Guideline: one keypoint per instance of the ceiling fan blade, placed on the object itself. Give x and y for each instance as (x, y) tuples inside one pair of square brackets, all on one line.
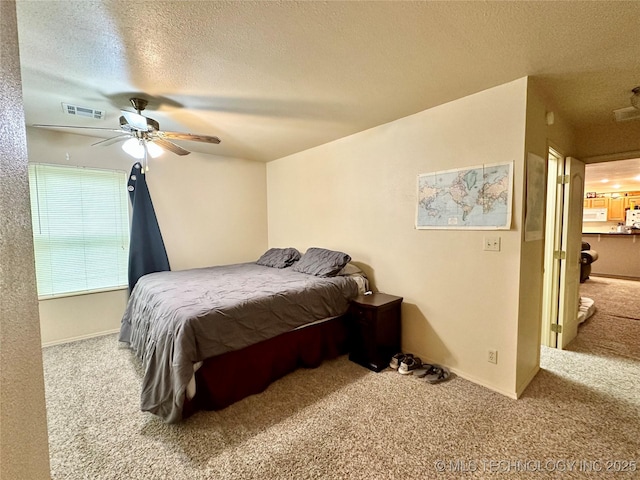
[(41, 125), (190, 136), (111, 141), (172, 147), (139, 122)]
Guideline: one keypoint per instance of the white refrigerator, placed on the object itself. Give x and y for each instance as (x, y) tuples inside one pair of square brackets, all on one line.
[(633, 218)]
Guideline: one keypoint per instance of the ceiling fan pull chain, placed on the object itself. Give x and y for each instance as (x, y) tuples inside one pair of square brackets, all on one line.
[(145, 165)]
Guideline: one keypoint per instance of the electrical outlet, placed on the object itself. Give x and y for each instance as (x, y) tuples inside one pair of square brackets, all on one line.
[(492, 244), (492, 356)]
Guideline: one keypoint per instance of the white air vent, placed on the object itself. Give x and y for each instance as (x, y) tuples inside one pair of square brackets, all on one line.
[(624, 114), (83, 111)]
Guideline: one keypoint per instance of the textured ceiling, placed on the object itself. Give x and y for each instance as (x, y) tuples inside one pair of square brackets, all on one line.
[(275, 78), (620, 176)]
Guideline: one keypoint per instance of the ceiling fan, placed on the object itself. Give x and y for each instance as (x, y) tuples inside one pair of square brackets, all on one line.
[(142, 135), (635, 98), (632, 112)]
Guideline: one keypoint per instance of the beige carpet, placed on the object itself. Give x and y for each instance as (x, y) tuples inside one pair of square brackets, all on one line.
[(615, 327), (340, 421)]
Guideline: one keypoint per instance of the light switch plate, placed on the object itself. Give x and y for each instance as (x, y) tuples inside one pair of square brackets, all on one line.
[(492, 244)]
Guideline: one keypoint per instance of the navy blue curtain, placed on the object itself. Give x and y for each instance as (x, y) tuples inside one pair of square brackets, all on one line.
[(146, 248)]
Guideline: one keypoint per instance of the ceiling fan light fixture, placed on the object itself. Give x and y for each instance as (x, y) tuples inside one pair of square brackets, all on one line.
[(154, 149), (134, 147)]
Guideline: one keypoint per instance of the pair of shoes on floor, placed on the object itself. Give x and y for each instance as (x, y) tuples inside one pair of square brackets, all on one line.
[(405, 363), (434, 373), (396, 360)]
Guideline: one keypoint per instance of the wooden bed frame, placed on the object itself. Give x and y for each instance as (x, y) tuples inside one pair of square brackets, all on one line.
[(232, 376)]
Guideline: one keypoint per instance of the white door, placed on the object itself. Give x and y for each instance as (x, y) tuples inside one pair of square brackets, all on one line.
[(569, 292), (552, 245)]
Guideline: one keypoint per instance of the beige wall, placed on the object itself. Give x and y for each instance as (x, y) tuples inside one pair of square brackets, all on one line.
[(358, 194), (211, 210), (67, 319), (539, 136), (24, 450)]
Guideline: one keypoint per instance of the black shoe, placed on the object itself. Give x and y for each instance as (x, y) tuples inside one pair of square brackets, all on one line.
[(396, 360), (409, 364)]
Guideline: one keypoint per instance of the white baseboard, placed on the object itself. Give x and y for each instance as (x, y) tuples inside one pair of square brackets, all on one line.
[(81, 337), (477, 381)]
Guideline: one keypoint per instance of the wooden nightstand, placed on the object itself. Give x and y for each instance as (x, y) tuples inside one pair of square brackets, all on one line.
[(374, 329)]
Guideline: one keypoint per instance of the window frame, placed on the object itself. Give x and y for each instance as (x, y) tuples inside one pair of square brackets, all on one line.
[(126, 233)]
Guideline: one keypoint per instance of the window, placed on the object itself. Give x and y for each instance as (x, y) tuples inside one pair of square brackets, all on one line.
[(80, 228)]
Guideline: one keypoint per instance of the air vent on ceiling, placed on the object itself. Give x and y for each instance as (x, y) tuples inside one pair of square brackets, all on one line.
[(83, 111), (628, 113)]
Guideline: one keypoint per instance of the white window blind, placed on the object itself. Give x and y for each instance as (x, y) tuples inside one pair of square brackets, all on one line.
[(80, 228)]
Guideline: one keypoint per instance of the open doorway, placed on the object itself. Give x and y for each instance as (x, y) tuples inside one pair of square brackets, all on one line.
[(611, 219), (615, 198)]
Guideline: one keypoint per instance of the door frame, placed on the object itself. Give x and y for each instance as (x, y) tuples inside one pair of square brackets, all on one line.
[(553, 230), (557, 286)]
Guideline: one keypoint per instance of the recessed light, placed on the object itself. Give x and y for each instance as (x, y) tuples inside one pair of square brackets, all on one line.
[(605, 180), (637, 178), (616, 186)]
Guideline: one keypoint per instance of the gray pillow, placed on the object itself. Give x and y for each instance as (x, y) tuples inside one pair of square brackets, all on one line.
[(351, 269), (279, 257), (321, 262)]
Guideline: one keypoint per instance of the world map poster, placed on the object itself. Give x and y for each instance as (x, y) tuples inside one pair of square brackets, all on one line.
[(472, 198)]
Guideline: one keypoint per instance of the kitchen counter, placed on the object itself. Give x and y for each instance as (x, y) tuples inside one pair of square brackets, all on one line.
[(616, 258), (625, 234)]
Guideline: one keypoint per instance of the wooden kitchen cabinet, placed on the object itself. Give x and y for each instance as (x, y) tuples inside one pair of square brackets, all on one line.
[(601, 202), (616, 207), (616, 210), (632, 201)]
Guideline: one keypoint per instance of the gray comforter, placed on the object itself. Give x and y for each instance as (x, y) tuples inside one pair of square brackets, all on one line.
[(175, 319)]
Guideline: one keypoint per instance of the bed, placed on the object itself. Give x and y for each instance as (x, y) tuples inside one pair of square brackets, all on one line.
[(208, 337)]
